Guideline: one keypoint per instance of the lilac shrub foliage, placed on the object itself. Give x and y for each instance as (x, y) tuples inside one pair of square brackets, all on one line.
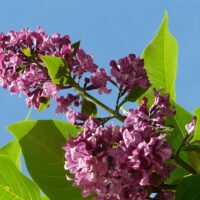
[(128, 162)]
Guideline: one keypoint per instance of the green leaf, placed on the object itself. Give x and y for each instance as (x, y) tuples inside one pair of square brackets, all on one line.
[(13, 151), (197, 128), (28, 114), (57, 68), (193, 151), (192, 147), (178, 122), (44, 198), (161, 60), (41, 143), (75, 46), (176, 138), (188, 189), (26, 52), (177, 175), (13, 184), (89, 108), (44, 103), (134, 94)]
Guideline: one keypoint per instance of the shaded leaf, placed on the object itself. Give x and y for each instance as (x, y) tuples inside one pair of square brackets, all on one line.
[(188, 189), (177, 175), (89, 108), (176, 138), (13, 184), (134, 94), (178, 122), (75, 46), (192, 147), (41, 143)]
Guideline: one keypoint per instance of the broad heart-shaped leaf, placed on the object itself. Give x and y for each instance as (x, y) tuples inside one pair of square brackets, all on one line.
[(41, 143), (13, 151), (197, 128), (188, 189), (160, 58), (57, 68), (89, 108), (13, 184)]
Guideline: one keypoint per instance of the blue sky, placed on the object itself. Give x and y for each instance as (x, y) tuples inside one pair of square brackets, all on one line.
[(107, 29)]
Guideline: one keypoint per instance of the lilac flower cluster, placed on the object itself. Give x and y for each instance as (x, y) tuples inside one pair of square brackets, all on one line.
[(123, 163), (23, 72), (129, 72)]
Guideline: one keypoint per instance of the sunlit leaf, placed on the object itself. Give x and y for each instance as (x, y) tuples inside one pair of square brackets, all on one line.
[(160, 58), (13, 184), (26, 52), (13, 151)]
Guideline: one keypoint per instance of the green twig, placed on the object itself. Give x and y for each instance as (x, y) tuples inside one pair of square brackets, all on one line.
[(113, 113)]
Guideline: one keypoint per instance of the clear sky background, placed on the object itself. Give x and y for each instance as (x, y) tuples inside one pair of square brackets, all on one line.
[(108, 29)]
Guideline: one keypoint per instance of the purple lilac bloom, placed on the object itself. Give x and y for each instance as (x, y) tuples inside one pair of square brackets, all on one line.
[(85, 63), (129, 72), (153, 116), (22, 70), (120, 163), (63, 103), (99, 81)]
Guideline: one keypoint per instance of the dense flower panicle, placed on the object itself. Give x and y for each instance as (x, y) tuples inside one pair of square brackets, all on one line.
[(22, 70), (190, 127), (120, 163), (129, 72)]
